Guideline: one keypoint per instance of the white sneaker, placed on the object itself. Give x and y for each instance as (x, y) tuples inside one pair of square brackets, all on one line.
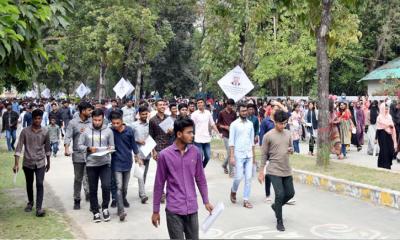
[(106, 215), (291, 202), (268, 200), (96, 218)]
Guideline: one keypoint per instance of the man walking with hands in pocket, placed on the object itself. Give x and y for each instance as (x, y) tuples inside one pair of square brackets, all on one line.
[(181, 167), (276, 147)]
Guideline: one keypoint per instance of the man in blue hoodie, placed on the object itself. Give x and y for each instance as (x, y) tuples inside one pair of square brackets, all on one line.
[(121, 162)]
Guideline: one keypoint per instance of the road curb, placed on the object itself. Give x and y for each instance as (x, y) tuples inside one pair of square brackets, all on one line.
[(379, 196), (369, 193)]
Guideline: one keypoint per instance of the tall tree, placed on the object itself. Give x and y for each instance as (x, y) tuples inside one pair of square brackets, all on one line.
[(173, 71), (23, 27), (334, 25)]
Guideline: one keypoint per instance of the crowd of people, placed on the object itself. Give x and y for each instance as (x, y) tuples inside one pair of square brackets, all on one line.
[(106, 139)]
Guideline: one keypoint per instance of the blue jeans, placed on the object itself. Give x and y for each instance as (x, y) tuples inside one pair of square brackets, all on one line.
[(244, 167), (205, 150), (54, 147), (11, 136), (344, 150), (296, 146), (122, 181)]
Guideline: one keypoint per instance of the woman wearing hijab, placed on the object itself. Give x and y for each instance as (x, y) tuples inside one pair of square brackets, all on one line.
[(373, 115), (386, 137)]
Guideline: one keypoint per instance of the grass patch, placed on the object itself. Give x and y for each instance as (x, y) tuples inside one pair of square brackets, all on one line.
[(14, 222), (17, 224), (349, 172), (345, 171)]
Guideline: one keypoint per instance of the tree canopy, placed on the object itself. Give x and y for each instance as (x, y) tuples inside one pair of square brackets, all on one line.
[(185, 46)]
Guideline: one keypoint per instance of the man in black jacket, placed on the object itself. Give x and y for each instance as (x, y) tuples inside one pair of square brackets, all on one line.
[(10, 122), (55, 113), (65, 114)]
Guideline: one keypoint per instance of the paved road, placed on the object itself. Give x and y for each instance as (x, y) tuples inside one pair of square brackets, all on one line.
[(317, 214)]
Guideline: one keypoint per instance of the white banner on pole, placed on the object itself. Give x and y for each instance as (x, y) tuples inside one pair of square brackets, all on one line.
[(236, 84), (130, 87), (88, 91), (81, 90), (46, 93), (123, 88)]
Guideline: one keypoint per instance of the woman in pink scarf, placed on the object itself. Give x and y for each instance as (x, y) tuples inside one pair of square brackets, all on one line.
[(386, 136)]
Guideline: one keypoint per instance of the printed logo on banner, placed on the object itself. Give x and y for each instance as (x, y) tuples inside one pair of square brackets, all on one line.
[(236, 84)]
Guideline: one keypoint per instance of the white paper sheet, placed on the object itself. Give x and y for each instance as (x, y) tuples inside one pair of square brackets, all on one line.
[(148, 146), (15, 178), (138, 171), (209, 221), (102, 153), (168, 123)]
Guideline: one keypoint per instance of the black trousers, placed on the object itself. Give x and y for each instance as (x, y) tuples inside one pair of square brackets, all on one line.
[(29, 177), (182, 226), (284, 191), (94, 174), (267, 186)]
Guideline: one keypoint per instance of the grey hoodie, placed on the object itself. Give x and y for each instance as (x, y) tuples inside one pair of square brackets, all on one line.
[(99, 138), (73, 134)]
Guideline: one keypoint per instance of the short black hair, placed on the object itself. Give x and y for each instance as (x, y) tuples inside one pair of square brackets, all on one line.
[(192, 103), (280, 116), (98, 112), (159, 100), (37, 113), (182, 105), (82, 106), (172, 105), (114, 100), (241, 105), (251, 105), (181, 123), (115, 115), (230, 101), (200, 99), (143, 108)]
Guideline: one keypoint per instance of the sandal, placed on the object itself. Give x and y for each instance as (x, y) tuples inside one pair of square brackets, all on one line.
[(247, 204), (233, 197)]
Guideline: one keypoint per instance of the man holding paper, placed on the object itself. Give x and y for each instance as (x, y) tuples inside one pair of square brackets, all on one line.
[(180, 166), (121, 161), (141, 129), (95, 139)]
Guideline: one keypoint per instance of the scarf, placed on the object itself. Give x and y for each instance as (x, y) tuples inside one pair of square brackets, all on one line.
[(383, 122)]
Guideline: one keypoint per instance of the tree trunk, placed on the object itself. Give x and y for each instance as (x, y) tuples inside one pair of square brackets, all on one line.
[(384, 37), (128, 52), (100, 88), (323, 84)]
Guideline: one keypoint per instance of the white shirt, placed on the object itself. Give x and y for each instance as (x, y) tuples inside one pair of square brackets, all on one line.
[(128, 115), (202, 122), (241, 137)]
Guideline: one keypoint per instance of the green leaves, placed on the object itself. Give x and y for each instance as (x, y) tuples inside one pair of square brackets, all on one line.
[(22, 26)]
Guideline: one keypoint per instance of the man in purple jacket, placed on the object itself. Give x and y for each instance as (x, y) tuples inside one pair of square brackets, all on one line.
[(180, 165)]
